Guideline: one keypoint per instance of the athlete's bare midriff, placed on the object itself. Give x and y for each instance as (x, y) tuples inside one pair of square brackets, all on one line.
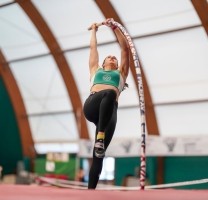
[(99, 87)]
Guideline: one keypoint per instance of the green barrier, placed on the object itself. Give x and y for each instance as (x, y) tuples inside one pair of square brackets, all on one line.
[(10, 143), (126, 166), (179, 169), (61, 168)]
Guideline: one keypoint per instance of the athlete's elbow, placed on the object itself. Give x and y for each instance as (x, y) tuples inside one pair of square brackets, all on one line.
[(93, 47), (125, 48)]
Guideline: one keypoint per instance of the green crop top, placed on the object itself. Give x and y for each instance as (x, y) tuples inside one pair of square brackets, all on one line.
[(111, 77)]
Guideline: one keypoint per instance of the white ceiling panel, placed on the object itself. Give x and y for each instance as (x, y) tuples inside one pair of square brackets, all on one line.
[(19, 38), (54, 128), (70, 19), (146, 17), (175, 65), (2, 2), (183, 119), (128, 123), (41, 85)]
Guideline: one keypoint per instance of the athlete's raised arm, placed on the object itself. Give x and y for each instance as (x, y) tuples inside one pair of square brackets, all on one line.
[(125, 51), (94, 57)]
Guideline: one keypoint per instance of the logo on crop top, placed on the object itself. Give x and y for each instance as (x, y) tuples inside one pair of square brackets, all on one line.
[(107, 77)]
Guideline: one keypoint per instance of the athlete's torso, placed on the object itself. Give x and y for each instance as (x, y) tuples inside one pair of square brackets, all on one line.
[(109, 78)]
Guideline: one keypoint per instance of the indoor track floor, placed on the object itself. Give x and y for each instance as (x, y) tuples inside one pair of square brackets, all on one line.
[(34, 192)]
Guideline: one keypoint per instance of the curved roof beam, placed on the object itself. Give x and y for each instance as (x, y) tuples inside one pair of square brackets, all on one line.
[(201, 7), (108, 11), (61, 62), (19, 108)]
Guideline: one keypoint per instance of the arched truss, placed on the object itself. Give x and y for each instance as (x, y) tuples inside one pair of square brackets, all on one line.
[(201, 7), (61, 62), (152, 127), (19, 108)]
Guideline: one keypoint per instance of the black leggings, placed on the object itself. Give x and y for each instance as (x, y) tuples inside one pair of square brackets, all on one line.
[(101, 109)]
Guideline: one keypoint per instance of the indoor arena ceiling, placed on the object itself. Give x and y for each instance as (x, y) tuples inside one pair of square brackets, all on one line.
[(45, 44)]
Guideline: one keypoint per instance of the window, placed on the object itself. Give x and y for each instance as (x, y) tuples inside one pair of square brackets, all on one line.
[(108, 169)]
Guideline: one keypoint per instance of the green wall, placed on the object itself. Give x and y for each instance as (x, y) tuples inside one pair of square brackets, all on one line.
[(126, 166), (176, 169), (10, 144)]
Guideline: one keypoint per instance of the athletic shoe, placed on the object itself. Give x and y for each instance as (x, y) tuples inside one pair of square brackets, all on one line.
[(99, 148)]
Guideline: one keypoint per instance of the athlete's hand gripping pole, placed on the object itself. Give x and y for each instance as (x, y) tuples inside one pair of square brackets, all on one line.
[(97, 24), (108, 22)]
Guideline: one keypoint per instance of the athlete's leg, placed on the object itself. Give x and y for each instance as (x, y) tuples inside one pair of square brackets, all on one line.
[(109, 131), (98, 109), (97, 163), (106, 109), (105, 114)]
